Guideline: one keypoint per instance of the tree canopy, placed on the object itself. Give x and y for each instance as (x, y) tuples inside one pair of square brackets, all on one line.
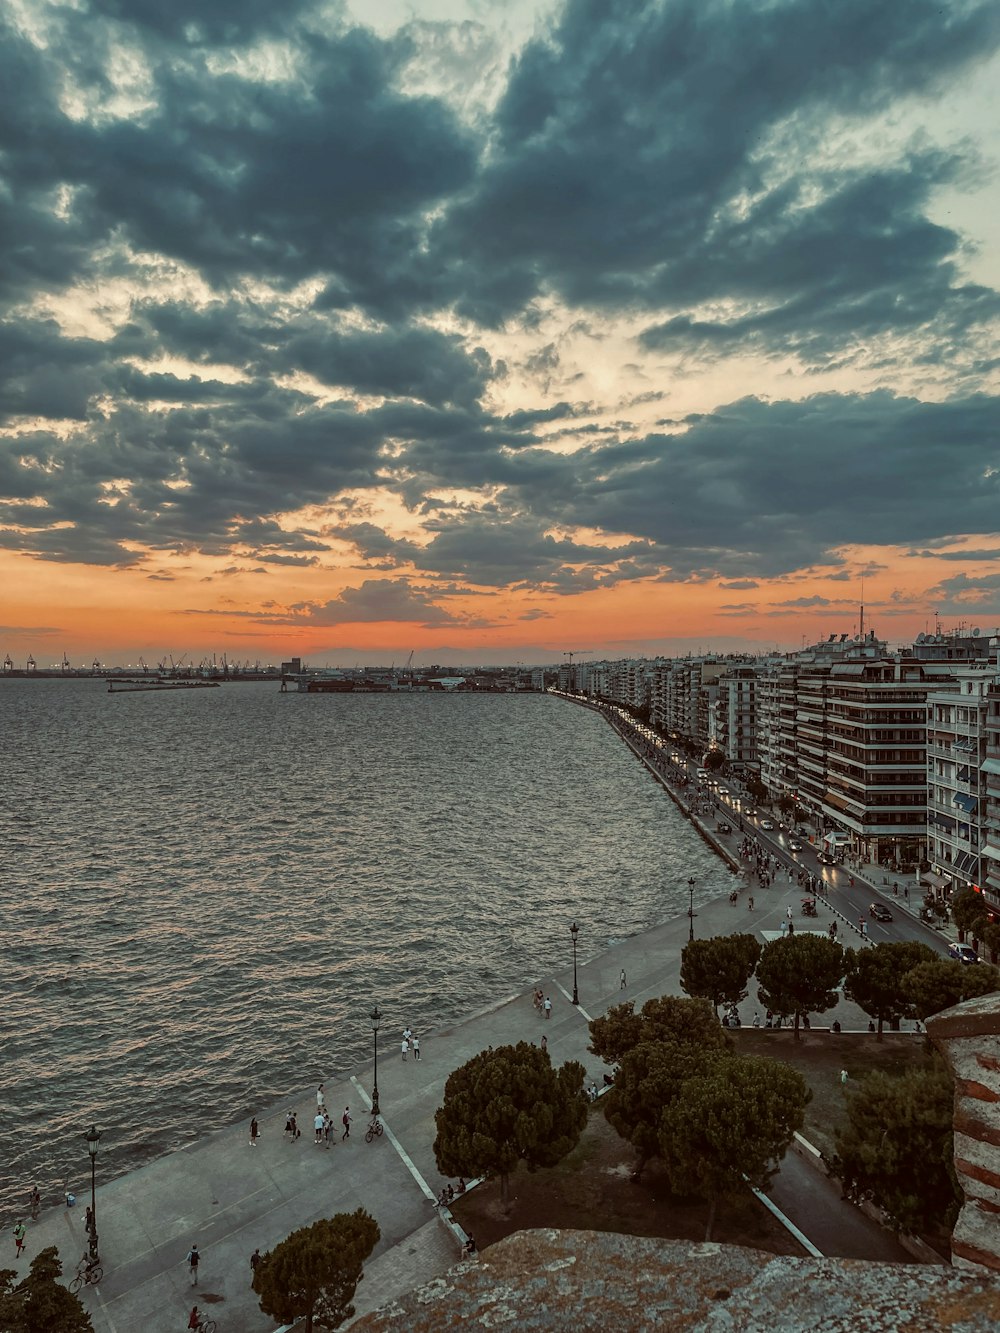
[(38, 1303), (931, 987), (719, 969), (800, 974), (667, 1018), (896, 1148), (314, 1273), (729, 1126), (875, 979), (507, 1105), (968, 911)]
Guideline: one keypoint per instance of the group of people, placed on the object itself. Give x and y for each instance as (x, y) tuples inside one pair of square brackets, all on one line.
[(449, 1193), (543, 1002), (410, 1043)]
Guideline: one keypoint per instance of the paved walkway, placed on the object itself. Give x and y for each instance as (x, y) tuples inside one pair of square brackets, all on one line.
[(231, 1198)]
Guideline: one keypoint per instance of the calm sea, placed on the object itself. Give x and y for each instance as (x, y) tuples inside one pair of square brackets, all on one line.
[(202, 893)]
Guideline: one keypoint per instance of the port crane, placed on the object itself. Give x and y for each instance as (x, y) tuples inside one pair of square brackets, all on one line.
[(571, 653)]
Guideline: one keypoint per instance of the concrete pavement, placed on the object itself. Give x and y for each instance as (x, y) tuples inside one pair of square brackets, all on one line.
[(231, 1198)]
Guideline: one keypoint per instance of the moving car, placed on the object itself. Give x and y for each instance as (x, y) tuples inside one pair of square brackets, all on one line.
[(794, 845), (965, 953), (879, 913), (766, 823)]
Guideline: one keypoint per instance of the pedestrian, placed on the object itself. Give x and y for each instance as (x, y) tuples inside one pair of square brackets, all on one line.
[(255, 1259), (318, 1119), (750, 903), (20, 1231), (88, 1220), (254, 1132), (461, 1184), (320, 1099), (843, 1076), (194, 1318), (289, 1126), (548, 1007), (545, 1043), (296, 1132), (623, 981), (327, 1129), (193, 1259), (784, 927), (35, 1200), (405, 1046), (407, 1034), (346, 1120), (469, 1248), (415, 1043), (791, 927)]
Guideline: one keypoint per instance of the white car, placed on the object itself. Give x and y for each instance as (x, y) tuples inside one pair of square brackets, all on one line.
[(766, 824)]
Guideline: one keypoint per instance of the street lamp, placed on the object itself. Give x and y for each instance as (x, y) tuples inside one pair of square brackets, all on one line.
[(93, 1143), (376, 1019), (691, 908), (574, 930)]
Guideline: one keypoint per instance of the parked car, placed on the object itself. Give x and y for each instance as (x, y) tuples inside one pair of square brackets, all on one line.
[(965, 953), (879, 913), (766, 824)]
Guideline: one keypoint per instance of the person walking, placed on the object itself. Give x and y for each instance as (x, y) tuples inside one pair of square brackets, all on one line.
[(346, 1121), (405, 1046), (415, 1043), (254, 1132), (548, 1007), (788, 911), (318, 1126), (255, 1259), (327, 1129), (193, 1260), (545, 1042), (20, 1231), (750, 903), (623, 981), (35, 1202)]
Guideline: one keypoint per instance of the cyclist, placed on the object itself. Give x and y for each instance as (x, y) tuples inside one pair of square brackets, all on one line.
[(194, 1318), (86, 1266)]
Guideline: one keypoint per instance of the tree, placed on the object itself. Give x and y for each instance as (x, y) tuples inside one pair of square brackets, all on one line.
[(667, 1018), (714, 760), (800, 974), (38, 1303), (896, 1149), (730, 1126), (875, 979), (649, 1079), (756, 789), (508, 1105), (991, 938), (718, 969), (314, 1272), (968, 911), (931, 987)]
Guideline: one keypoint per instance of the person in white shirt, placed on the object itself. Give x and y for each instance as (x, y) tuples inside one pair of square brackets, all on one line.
[(318, 1122)]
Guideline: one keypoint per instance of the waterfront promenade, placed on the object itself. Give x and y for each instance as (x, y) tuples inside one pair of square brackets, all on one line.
[(230, 1198)]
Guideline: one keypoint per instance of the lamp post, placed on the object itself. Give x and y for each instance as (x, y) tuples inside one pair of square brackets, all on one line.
[(376, 1019), (691, 908), (93, 1143), (574, 930)]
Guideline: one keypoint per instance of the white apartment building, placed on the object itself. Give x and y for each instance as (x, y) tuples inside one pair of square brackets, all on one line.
[(956, 752)]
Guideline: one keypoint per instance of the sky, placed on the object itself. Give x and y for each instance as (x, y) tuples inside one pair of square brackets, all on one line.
[(490, 330)]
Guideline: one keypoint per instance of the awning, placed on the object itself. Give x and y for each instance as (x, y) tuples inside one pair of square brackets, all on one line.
[(964, 802), (935, 880), (967, 863), (990, 766)]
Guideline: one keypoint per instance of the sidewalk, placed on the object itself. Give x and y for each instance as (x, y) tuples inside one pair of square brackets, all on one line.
[(231, 1198)]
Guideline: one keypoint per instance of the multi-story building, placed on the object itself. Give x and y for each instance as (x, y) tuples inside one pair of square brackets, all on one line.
[(990, 790), (956, 752)]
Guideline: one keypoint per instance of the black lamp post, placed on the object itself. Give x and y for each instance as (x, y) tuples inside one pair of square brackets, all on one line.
[(376, 1019), (574, 930), (691, 908), (93, 1143)]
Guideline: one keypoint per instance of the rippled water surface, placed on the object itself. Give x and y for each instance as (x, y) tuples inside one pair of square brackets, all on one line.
[(203, 892)]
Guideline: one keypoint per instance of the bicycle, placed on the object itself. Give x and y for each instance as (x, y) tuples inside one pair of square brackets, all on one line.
[(374, 1130), (206, 1326), (86, 1277)]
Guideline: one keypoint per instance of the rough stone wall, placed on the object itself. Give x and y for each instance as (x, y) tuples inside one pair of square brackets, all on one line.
[(968, 1037)]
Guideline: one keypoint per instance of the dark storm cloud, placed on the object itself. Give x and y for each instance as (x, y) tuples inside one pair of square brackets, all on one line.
[(376, 600), (633, 167)]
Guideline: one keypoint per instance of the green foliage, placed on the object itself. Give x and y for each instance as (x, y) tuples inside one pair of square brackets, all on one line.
[(931, 987), (508, 1105), (896, 1149), (313, 1274), (718, 969), (875, 979), (786, 804), (756, 789), (38, 1303), (968, 911), (650, 1078), (714, 760), (991, 938), (729, 1125), (667, 1018), (800, 974)]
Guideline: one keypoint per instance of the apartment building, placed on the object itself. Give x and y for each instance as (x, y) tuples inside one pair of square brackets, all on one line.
[(956, 755), (990, 790)]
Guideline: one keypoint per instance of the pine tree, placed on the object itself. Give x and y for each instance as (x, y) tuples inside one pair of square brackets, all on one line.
[(668, 1018), (931, 987), (719, 969), (800, 975), (875, 979), (314, 1273), (38, 1303)]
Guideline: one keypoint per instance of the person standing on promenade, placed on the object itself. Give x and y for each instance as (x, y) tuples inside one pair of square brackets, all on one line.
[(318, 1126), (407, 1034), (545, 1042), (327, 1128), (255, 1259), (623, 981), (548, 1007), (346, 1119), (35, 1200), (320, 1099), (193, 1260), (254, 1132), (405, 1046), (416, 1048), (20, 1231), (750, 903)]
